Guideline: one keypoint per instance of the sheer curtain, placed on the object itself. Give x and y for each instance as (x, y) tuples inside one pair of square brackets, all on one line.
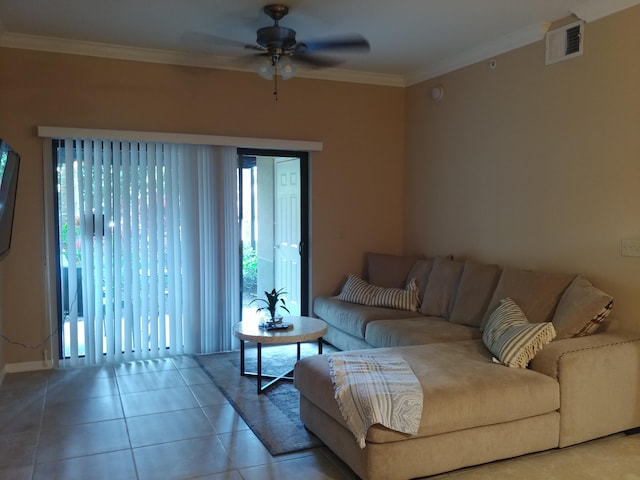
[(152, 230)]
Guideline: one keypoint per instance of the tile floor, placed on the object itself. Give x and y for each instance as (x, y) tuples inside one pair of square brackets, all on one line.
[(164, 419)]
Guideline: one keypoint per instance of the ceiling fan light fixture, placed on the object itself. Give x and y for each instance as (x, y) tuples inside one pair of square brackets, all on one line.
[(266, 68), (286, 68)]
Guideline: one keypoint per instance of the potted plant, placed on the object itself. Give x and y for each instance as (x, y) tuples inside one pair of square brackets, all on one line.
[(272, 302)]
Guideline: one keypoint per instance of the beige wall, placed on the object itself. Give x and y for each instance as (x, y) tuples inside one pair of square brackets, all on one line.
[(526, 165), (534, 166), (361, 126)]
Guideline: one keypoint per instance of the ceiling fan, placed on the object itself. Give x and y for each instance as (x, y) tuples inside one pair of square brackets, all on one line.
[(276, 42), (279, 50)]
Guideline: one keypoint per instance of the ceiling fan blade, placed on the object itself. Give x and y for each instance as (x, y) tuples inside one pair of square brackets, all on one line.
[(257, 48), (316, 60), (353, 42)]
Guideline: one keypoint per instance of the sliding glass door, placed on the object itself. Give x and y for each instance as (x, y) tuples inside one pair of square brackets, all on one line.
[(148, 238), (275, 227)]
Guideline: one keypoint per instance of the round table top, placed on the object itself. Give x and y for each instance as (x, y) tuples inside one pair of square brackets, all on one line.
[(304, 329)]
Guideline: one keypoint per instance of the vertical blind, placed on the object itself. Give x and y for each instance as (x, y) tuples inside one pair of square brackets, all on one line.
[(149, 249)]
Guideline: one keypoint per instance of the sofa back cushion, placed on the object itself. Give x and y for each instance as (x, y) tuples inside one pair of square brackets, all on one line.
[(581, 310), (420, 272), (475, 290), (441, 287), (387, 270), (536, 293)]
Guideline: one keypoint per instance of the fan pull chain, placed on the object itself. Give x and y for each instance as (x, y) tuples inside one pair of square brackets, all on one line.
[(275, 81)]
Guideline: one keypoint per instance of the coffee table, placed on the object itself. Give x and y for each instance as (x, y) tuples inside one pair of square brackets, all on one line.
[(303, 329)]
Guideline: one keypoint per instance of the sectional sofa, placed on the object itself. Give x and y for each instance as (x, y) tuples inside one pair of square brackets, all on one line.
[(577, 380)]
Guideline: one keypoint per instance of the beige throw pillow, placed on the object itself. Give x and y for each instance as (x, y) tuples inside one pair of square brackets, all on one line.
[(581, 310)]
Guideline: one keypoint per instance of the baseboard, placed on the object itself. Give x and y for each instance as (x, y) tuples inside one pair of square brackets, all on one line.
[(26, 367)]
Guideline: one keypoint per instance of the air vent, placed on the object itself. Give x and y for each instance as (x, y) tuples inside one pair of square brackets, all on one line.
[(564, 42)]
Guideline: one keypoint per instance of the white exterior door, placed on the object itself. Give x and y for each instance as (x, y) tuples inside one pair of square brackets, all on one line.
[(287, 230)]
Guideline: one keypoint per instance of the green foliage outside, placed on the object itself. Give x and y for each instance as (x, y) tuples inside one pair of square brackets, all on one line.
[(64, 236), (249, 269)]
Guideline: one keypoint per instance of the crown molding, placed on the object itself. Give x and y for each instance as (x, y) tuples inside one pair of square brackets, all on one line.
[(92, 49), (122, 52), (480, 52), (589, 11), (354, 76), (596, 9)]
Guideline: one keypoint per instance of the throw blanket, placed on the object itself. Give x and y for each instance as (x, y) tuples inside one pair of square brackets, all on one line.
[(374, 389)]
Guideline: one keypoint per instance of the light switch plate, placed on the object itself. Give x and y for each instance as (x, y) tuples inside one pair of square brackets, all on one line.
[(630, 248)]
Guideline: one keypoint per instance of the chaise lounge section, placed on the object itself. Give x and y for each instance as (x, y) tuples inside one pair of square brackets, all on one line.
[(580, 386)]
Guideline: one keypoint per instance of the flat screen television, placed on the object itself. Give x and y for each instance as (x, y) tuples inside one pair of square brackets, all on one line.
[(9, 167)]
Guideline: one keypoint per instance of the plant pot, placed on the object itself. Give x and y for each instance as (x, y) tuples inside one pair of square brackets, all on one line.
[(270, 321)]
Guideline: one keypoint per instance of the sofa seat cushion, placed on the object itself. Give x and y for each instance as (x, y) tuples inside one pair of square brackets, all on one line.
[(353, 318), (417, 331), (462, 389)]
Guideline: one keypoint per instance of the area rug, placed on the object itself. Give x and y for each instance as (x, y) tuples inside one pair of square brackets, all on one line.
[(274, 416)]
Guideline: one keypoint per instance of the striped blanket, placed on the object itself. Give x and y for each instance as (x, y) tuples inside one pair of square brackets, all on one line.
[(374, 389)]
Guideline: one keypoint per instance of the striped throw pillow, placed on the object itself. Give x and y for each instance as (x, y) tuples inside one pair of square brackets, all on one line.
[(596, 321), (511, 338), (398, 298), (356, 290)]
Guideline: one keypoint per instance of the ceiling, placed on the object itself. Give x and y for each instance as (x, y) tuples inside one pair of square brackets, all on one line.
[(411, 40)]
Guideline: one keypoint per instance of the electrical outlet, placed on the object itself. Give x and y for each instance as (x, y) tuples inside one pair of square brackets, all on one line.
[(630, 248)]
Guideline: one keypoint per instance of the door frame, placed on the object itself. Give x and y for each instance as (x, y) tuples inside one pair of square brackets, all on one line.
[(305, 247)]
